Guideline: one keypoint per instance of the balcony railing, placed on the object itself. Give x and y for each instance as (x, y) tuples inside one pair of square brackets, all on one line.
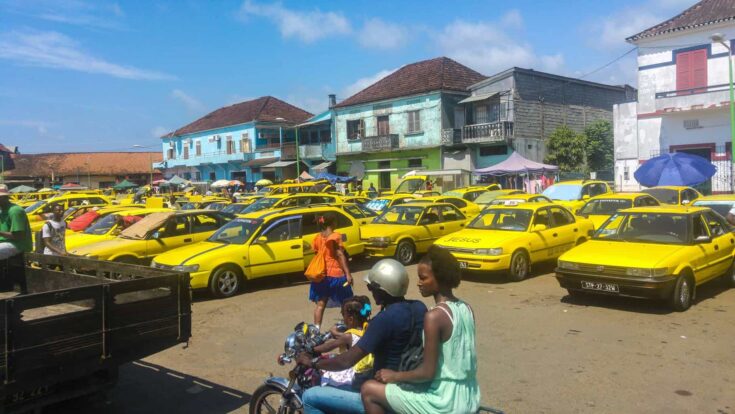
[(380, 143), (478, 133), (693, 91), (324, 150)]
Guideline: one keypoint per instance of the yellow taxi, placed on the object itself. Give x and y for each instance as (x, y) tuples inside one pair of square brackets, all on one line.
[(267, 244), (241, 205), (484, 199), (574, 193), (720, 203), (276, 201), (381, 203), (105, 227), (512, 238), (468, 208), (600, 208), (515, 199), (155, 234), (25, 200), (38, 210), (468, 193), (673, 194), (662, 252), (405, 230)]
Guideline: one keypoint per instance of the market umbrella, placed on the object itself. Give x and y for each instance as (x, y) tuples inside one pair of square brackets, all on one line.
[(263, 182), (160, 182), (306, 176), (22, 189), (677, 168), (220, 183), (124, 185), (234, 182), (176, 180)]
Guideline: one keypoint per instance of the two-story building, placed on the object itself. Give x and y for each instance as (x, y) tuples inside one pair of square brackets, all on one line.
[(395, 125), (683, 98), (317, 149), (245, 141), (517, 110)]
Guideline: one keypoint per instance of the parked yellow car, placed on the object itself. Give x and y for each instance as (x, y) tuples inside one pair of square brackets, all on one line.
[(660, 252), (105, 227), (720, 203), (573, 194), (468, 208), (405, 230), (513, 238), (484, 199), (155, 234), (240, 206), (600, 208), (515, 199), (273, 243), (38, 210), (467, 193), (381, 203), (673, 194), (272, 202)]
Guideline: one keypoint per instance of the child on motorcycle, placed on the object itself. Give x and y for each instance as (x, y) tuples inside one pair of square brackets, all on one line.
[(355, 314)]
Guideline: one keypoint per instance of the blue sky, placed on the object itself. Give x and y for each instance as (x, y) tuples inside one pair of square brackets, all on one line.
[(78, 75)]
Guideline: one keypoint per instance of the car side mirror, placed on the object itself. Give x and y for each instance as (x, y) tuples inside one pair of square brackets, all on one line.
[(703, 239), (261, 240), (586, 197), (156, 235), (685, 202), (539, 227)]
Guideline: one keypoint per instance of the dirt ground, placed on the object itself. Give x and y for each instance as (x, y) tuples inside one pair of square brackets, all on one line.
[(539, 351)]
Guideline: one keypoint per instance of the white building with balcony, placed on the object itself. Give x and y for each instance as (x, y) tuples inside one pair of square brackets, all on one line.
[(683, 95)]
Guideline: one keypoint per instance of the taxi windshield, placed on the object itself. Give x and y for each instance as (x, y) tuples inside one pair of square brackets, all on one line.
[(659, 228), (564, 192), (261, 204), (664, 195), (33, 207), (237, 231), (235, 208), (410, 186), (507, 201), (722, 207), (502, 219), (101, 225), (406, 215), (188, 206), (605, 207)]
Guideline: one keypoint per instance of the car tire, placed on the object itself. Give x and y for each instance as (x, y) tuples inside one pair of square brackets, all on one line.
[(520, 266), (730, 276), (576, 294), (405, 252), (683, 295), (225, 281)]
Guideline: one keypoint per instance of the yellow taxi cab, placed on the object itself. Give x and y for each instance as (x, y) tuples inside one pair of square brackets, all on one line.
[(355, 199), (673, 194), (155, 234), (468, 193), (720, 203), (267, 244), (574, 193), (468, 208), (515, 199), (38, 210), (105, 227), (381, 203), (276, 201), (25, 200), (405, 230), (513, 238), (484, 199), (662, 252), (600, 208), (241, 205)]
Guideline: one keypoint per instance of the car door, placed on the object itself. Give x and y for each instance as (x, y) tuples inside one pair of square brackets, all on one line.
[(542, 241), (723, 241), (452, 220), (309, 230), (706, 252), (566, 231), (429, 229), (278, 249), (350, 234), (169, 236)]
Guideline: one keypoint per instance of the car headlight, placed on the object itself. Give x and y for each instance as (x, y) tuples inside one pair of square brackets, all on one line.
[(186, 268), (644, 272), (568, 265), (489, 252), (379, 241)]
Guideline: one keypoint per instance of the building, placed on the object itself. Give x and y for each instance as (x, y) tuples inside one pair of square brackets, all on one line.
[(91, 169), (245, 141), (683, 98), (395, 125), (317, 149), (517, 110)]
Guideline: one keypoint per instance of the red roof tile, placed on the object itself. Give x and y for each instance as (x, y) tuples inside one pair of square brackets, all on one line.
[(94, 163), (704, 13), (421, 77), (266, 108)]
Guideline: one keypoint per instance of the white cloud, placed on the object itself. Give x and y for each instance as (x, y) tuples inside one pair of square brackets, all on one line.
[(95, 14), (379, 34), (55, 50), (488, 48), (306, 26), (363, 83), (191, 103), (159, 131), (512, 19)]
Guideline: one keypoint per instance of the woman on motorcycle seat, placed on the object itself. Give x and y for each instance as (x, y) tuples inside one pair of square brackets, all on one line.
[(449, 363), (355, 314)]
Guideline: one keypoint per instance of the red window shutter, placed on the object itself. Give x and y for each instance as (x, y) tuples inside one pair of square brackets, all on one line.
[(698, 63), (683, 71)]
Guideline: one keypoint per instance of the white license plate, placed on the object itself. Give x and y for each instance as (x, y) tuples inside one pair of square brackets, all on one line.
[(605, 287), (463, 265)]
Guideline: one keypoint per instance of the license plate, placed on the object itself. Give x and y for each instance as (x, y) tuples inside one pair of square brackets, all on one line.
[(463, 265), (605, 287)]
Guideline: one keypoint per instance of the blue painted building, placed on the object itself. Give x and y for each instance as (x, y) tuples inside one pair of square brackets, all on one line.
[(317, 148), (245, 141)]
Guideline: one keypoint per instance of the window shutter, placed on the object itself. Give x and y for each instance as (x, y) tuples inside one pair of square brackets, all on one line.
[(683, 71), (699, 69)]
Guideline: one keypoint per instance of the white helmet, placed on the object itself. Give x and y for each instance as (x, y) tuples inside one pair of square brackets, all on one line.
[(390, 276)]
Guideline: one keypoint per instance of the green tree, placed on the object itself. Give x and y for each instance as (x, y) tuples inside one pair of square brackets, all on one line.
[(565, 149), (599, 146)]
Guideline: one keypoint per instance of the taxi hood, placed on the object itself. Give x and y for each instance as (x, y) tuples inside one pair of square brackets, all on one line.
[(185, 254), (103, 247), (480, 239), (619, 253)]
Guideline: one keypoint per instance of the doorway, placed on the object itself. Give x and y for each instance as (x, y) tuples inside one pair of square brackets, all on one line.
[(384, 177)]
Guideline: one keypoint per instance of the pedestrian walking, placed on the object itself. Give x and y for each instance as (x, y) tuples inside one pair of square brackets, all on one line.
[(54, 232)]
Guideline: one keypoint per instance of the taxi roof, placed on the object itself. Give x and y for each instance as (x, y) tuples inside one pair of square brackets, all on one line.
[(263, 214), (669, 187), (580, 182), (666, 209), (521, 206)]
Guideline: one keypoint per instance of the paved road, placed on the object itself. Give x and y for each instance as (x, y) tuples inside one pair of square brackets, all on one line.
[(539, 351)]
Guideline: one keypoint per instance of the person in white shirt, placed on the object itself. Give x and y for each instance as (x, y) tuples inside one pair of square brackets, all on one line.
[(731, 216), (54, 232)]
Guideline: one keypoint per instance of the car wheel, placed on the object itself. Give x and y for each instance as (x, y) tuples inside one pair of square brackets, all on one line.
[(225, 281), (405, 252), (730, 275), (520, 266), (683, 294)]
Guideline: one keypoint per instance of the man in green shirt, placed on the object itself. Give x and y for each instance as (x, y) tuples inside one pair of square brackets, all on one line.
[(15, 232)]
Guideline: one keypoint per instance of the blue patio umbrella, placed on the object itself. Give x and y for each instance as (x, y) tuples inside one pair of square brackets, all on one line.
[(677, 168)]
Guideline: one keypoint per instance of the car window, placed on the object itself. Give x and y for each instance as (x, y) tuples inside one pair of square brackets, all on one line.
[(96, 200), (354, 211), (431, 215), (542, 217), (646, 201), (285, 229), (560, 217), (309, 223), (203, 222), (175, 226), (716, 223), (689, 195), (342, 220), (594, 189), (455, 202), (450, 213), (699, 228)]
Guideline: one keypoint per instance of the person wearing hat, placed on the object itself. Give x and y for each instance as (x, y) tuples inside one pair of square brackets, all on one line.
[(15, 232), (386, 338)]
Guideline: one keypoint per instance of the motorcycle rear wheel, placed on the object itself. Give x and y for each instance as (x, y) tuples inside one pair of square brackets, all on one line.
[(267, 400)]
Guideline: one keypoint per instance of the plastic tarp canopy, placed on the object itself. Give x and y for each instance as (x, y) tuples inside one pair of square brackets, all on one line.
[(22, 189), (147, 224), (516, 164), (124, 184), (333, 178), (176, 180)]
